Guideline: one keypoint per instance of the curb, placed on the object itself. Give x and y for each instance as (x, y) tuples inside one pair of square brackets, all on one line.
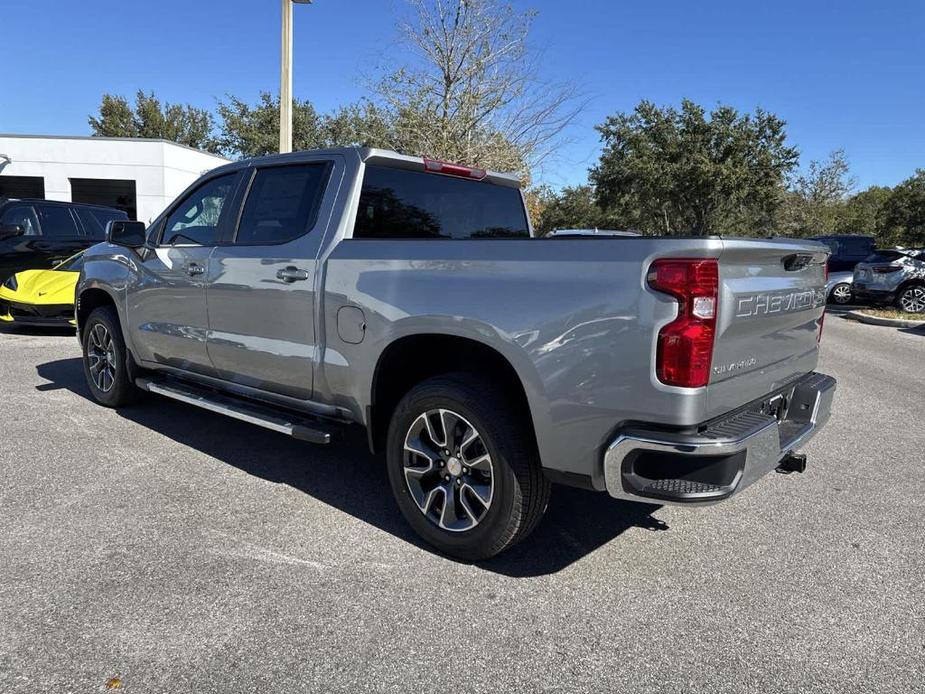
[(891, 322)]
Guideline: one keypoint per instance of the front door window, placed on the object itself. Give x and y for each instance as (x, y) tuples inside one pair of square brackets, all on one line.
[(196, 221)]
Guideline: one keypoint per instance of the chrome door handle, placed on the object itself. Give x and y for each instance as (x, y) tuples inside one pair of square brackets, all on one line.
[(291, 274), (195, 269)]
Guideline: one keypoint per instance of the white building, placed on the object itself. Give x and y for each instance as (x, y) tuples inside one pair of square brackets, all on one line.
[(137, 175)]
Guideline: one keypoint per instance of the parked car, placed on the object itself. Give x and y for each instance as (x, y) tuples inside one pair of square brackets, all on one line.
[(839, 287), (306, 291), (893, 276), (39, 234), (847, 250), (41, 297)]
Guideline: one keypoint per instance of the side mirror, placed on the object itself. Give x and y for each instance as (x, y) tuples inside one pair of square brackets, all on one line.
[(122, 232), (10, 230)]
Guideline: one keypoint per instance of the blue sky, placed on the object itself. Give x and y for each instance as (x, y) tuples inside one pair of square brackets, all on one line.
[(842, 74)]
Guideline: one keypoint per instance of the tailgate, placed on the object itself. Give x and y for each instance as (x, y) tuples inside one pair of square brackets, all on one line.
[(771, 299)]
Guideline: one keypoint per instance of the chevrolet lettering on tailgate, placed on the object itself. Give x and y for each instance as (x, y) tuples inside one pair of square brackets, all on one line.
[(765, 304)]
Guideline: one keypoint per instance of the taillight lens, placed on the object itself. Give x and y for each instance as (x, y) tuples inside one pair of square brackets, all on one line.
[(451, 169), (886, 269), (685, 346)]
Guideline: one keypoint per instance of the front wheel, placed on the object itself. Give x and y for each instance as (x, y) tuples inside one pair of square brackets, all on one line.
[(105, 359), (463, 467), (841, 293), (912, 299)]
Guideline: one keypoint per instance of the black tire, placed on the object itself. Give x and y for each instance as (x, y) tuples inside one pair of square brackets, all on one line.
[(911, 298), (118, 390), (841, 294), (520, 491)]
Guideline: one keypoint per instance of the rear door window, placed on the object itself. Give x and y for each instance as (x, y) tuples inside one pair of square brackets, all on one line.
[(282, 204), (94, 220), (57, 221), (402, 204)]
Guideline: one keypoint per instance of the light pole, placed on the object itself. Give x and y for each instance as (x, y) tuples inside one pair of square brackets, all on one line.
[(285, 78)]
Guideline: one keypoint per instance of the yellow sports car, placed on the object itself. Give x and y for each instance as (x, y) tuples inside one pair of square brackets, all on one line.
[(41, 297)]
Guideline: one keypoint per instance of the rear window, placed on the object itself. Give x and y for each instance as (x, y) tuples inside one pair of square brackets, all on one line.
[(401, 204), (884, 256), (94, 220), (855, 247)]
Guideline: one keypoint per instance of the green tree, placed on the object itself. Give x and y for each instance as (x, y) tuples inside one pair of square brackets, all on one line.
[(252, 130), (665, 170), (185, 124), (247, 130), (903, 215), (816, 200), (571, 208), (862, 212)]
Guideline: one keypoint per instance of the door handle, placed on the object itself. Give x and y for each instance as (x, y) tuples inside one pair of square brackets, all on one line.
[(194, 269), (292, 274)]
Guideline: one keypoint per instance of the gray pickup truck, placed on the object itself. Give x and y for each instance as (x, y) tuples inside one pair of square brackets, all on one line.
[(308, 291)]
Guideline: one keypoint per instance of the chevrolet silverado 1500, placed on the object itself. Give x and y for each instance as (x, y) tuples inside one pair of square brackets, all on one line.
[(301, 292)]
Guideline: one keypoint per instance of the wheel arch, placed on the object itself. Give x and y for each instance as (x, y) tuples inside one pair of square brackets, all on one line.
[(89, 299), (913, 282), (411, 359)]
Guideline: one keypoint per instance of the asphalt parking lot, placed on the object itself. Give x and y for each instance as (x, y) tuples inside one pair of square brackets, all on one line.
[(180, 551)]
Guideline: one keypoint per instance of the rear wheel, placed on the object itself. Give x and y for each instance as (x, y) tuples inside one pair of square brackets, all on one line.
[(105, 359), (463, 467), (912, 299), (841, 293)]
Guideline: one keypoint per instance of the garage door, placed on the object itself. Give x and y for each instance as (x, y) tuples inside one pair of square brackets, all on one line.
[(22, 187), (105, 191)]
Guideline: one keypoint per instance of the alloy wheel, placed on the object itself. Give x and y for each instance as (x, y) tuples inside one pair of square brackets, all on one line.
[(448, 470), (101, 357), (841, 294), (913, 300)]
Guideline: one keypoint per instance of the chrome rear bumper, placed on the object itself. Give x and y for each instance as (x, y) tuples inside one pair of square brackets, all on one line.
[(722, 458)]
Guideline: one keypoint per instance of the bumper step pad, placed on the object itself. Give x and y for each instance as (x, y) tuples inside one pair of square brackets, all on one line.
[(675, 488)]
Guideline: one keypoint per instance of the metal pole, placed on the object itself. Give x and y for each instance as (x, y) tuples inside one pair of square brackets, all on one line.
[(285, 81)]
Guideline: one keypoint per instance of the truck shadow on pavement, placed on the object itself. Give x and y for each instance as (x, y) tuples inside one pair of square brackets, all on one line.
[(346, 476)]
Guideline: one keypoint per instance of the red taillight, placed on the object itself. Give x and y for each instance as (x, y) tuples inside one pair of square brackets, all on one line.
[(450, 169), (685, 346), (886, 269)]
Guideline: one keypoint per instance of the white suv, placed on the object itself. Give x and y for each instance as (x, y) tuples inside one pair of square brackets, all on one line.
[(893, 276)]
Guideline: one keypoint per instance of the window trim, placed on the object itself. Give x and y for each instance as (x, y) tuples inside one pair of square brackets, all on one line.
[(194, 187), (326, 164)]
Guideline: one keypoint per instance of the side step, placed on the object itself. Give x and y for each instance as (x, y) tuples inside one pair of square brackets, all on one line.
[(236, 408)]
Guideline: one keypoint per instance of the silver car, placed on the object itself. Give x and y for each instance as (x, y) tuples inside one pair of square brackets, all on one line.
[(894, 276), (839, 288)]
